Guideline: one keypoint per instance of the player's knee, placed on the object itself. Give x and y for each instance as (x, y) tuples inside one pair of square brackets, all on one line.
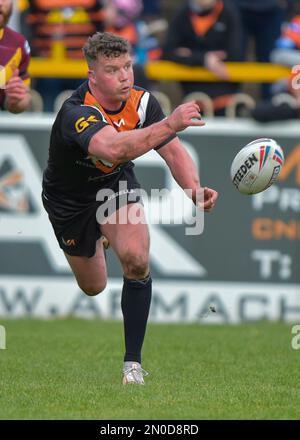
[(92, 289), (136, 266)]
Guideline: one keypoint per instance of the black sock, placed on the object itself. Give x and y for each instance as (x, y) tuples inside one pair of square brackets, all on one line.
[(135, 303)]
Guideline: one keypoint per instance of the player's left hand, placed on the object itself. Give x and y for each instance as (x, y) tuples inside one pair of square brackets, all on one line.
[(206, 198), (15, 89)]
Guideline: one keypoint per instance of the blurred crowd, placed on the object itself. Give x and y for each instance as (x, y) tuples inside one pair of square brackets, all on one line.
[(205, 33)]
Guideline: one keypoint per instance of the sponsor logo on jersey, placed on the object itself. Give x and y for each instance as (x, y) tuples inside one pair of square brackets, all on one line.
[(69, 241), (82, 123), (119, 123)]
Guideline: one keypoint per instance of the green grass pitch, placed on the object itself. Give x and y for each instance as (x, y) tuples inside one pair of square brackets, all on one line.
[(71, 369)]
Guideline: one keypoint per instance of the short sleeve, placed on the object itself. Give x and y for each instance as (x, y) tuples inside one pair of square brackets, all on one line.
[(80, 123), (154, 114)]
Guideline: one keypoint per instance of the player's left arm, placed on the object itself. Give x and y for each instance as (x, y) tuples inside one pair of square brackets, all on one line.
[(17, 89), (185, 173)]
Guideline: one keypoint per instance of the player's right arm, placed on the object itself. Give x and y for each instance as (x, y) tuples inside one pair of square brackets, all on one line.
[(115, 146)]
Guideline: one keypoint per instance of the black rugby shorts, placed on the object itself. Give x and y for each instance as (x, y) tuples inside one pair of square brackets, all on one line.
[(77, 225)]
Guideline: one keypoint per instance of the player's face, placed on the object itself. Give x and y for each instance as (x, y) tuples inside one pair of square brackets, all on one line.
[(5, 12), (113, 78)]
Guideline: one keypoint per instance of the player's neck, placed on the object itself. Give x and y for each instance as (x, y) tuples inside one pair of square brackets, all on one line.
[(105, 102)]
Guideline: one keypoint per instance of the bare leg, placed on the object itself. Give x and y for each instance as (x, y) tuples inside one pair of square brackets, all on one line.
[(130, 242), (90, 273)]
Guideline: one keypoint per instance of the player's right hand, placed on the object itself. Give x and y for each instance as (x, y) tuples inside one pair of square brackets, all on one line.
[(185, 115), (15, 89), (205, 198)]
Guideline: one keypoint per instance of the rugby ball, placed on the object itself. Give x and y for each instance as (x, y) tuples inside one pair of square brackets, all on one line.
[(257, 166)]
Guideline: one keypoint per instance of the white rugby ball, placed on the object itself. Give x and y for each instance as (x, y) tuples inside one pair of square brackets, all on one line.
[(257, 166)]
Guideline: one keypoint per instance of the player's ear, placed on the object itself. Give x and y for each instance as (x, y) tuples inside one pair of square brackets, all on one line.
[(92, 76)]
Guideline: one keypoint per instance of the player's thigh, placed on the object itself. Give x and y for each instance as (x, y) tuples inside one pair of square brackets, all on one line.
[(128, 233), (90, 272)]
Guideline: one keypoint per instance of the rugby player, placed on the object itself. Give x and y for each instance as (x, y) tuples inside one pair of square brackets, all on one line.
[(100, 129)]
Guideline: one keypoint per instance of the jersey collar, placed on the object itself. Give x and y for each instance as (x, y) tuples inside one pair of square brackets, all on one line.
[(91, 100)]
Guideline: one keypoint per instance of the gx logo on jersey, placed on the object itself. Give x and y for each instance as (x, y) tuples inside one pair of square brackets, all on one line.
[(82, 123)]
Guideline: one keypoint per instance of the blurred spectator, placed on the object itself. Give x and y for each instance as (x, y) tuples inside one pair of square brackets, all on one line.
[(152, 8), (287, 47), (123, 18), (206, 33), (270, 111), (120, 18), (261, 21), (69, 22), (14, 59), (285, 103)]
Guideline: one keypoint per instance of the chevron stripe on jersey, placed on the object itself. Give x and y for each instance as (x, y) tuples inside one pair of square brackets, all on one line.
[(131, 116)]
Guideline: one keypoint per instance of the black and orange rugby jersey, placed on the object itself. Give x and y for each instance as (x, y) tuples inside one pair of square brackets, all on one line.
[(71, 169), (14, 53)]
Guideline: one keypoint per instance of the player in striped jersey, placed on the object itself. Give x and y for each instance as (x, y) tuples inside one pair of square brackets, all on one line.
[(100, 129)]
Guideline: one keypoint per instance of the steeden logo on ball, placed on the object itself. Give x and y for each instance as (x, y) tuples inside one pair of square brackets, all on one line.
[(257, 166)]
